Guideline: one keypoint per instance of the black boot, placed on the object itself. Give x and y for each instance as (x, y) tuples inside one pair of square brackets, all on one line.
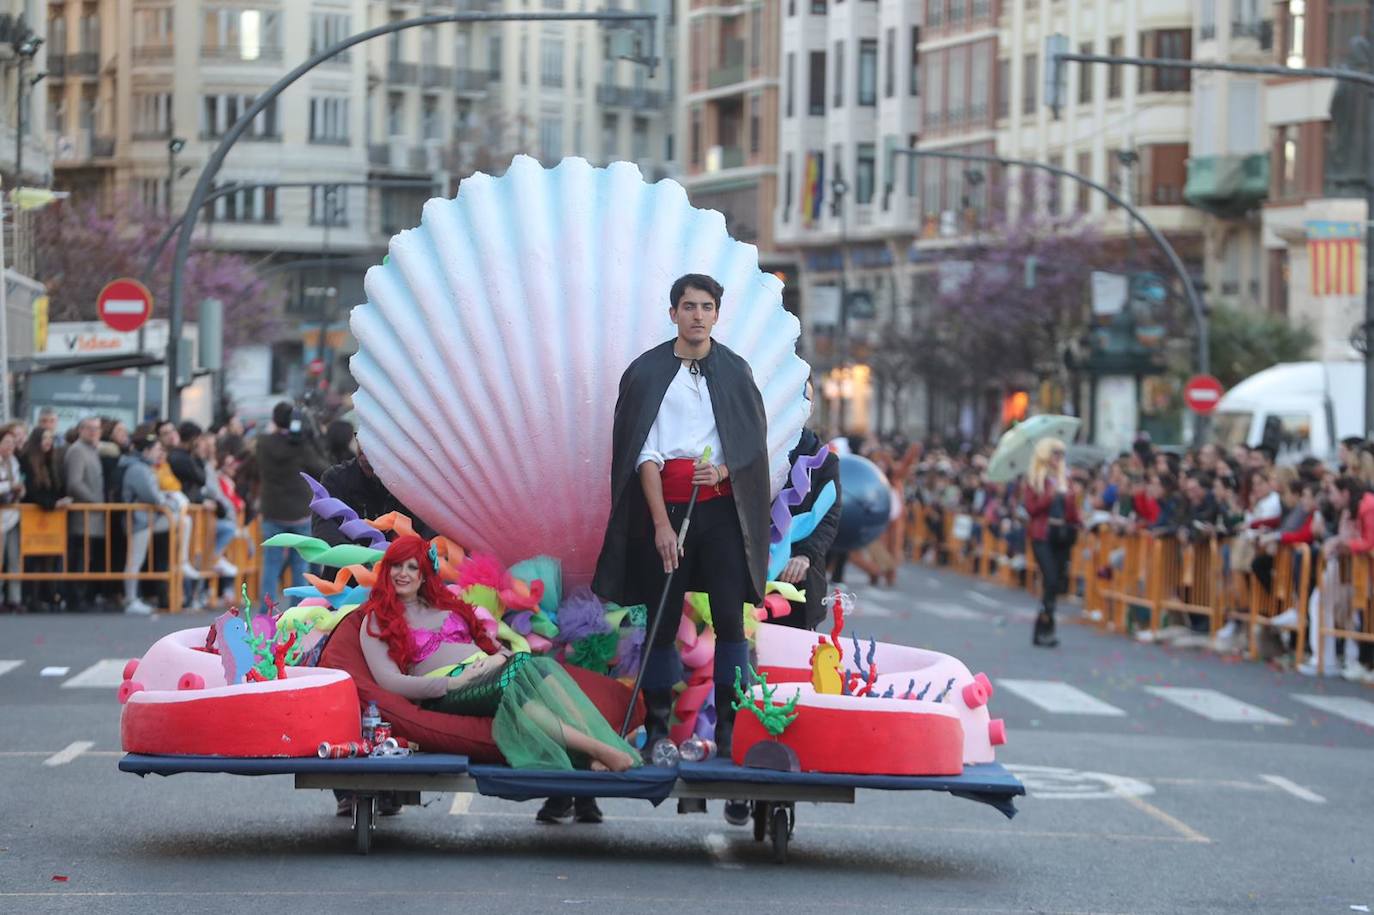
[(725, 719), (658, 710), (1043, 635)]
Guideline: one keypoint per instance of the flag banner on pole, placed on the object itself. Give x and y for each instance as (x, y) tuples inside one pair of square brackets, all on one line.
[(1335, 254), (813, 188)]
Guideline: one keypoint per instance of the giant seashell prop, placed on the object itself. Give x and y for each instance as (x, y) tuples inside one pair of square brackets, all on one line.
[(492, 343)]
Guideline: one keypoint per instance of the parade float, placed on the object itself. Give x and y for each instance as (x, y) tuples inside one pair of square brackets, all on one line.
[(490, 351)]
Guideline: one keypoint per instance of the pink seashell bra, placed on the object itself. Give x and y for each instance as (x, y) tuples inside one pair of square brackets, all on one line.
[(426, 641)]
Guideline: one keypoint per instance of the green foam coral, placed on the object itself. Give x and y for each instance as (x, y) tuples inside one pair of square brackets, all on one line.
[(312, 549)]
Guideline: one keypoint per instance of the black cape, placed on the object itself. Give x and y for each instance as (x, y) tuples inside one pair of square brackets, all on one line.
[(743, 428)]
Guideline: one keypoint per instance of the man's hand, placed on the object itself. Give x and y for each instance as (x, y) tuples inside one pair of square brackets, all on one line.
[(665, 541), (795, 570), (708, 474)]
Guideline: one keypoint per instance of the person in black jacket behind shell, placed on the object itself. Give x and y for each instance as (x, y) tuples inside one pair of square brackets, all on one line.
[(806, 569)]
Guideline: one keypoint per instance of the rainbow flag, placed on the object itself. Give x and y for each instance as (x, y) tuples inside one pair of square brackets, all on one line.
[(813, 188), (1335, 256)]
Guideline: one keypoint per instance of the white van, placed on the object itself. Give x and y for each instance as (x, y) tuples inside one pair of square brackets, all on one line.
[(1297, 408)]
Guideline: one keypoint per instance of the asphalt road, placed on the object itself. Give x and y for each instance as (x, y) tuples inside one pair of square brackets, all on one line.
[(1255, 794)]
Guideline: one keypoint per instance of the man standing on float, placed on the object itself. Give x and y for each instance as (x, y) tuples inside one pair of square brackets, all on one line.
[(676, 400)]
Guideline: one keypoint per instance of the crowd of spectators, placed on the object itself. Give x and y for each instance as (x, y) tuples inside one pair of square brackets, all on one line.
[(1242, 498), (241, 473)]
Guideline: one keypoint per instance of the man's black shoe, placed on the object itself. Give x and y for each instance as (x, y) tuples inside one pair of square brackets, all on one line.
[(388, 804), (691, 805), (555, 810), (586, 811), (737, 813)]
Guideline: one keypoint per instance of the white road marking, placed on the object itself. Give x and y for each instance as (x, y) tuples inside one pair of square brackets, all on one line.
[(54, 672), (870, 604), (1360, 711), (1298, 791), (987, 600), (1215, 706), (1057, 783), (1061, 698), (101, 674), (68, 753), (462, 802), (7, 666), (949, 610), (719, 849)]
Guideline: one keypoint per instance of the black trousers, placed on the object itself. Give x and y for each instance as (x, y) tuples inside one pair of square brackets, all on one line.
[(1053, 563), (712, 562)]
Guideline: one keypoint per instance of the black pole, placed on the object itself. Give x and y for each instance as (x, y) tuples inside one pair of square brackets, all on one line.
[(216, 161), (19, 124), (1203, 357), (654, 623)]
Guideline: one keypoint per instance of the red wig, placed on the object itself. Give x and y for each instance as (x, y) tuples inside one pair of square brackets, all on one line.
[(385, 615)]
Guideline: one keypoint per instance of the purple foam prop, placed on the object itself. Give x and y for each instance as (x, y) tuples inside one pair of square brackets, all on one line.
[(350, 525), (792, 496), (581, 614), (520, 621), (945, 692), (705, 728), (631, 652), (910, 690), (925, 689)]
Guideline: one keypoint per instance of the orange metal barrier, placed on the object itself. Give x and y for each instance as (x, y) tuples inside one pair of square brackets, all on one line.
[(1188, 580), (1355, 622), (88, 543), (1291, 586)]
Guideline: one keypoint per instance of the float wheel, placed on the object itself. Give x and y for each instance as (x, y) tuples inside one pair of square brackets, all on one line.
[(364, 821), (781, 826)]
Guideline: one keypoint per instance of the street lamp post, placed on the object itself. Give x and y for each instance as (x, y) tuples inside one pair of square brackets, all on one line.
[(26, 50), (838, 188), (176, 309), (1203, 358), (174, 148), (1058, 57)]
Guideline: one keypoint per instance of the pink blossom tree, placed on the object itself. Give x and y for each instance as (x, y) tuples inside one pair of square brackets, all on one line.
[(78, 248)]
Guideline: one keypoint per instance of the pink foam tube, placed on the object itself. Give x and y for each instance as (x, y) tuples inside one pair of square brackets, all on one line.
[(130, 668), (997, 732), (191, 680), (127, 689), (986, 682), (975, 695)]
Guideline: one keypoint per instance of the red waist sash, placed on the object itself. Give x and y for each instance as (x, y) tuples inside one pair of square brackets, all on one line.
[(677, 483)]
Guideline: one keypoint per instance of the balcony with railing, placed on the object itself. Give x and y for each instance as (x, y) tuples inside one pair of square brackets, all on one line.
[(1227, 185), (83, 147), (152, 54), (402, 73), (240, 54), (629, 97), (84, 63), (434, 76), (730, 69), (472, 80)]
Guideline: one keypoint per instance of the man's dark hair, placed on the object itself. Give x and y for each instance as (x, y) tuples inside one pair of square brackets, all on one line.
[(1352, 486), (1353, 442), (281, 415), (1203, 478), (1305, 485), (189, 432), (1269, 453), (162, 423), (699, 281), (142, 443)]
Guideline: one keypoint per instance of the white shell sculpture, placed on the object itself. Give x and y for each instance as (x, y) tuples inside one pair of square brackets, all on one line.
[(491, 347)]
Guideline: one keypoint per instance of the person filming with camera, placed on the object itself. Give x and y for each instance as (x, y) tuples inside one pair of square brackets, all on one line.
[(284, 503)]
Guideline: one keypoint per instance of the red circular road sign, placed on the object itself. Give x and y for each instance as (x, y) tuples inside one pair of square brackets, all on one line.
[(1202, 393), (124, 304)]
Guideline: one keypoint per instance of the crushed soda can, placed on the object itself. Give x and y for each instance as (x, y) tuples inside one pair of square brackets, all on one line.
[(349, 750)]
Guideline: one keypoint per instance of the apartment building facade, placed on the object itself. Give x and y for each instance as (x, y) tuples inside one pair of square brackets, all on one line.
[(151, 86)]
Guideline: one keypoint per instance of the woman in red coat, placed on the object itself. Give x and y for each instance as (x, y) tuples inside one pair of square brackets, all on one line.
[(1053, 508)]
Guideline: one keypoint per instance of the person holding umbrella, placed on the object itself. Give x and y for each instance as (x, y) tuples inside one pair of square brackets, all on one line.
[(689, 444), (1054, 519)]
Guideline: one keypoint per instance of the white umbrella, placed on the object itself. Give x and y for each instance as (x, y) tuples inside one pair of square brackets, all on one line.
[(1014, 449)]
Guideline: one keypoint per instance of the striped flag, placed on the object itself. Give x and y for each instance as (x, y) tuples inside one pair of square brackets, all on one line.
[(1335, 255), (813, 188)]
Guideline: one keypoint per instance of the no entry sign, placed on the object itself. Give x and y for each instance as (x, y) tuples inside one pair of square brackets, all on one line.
[(1202, 393), (124, 304)]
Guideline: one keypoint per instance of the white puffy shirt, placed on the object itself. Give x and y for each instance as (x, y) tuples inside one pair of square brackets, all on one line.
[(685, 425)]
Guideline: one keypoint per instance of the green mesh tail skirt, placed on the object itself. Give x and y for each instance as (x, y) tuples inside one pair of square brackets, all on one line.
[(528, 702)]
